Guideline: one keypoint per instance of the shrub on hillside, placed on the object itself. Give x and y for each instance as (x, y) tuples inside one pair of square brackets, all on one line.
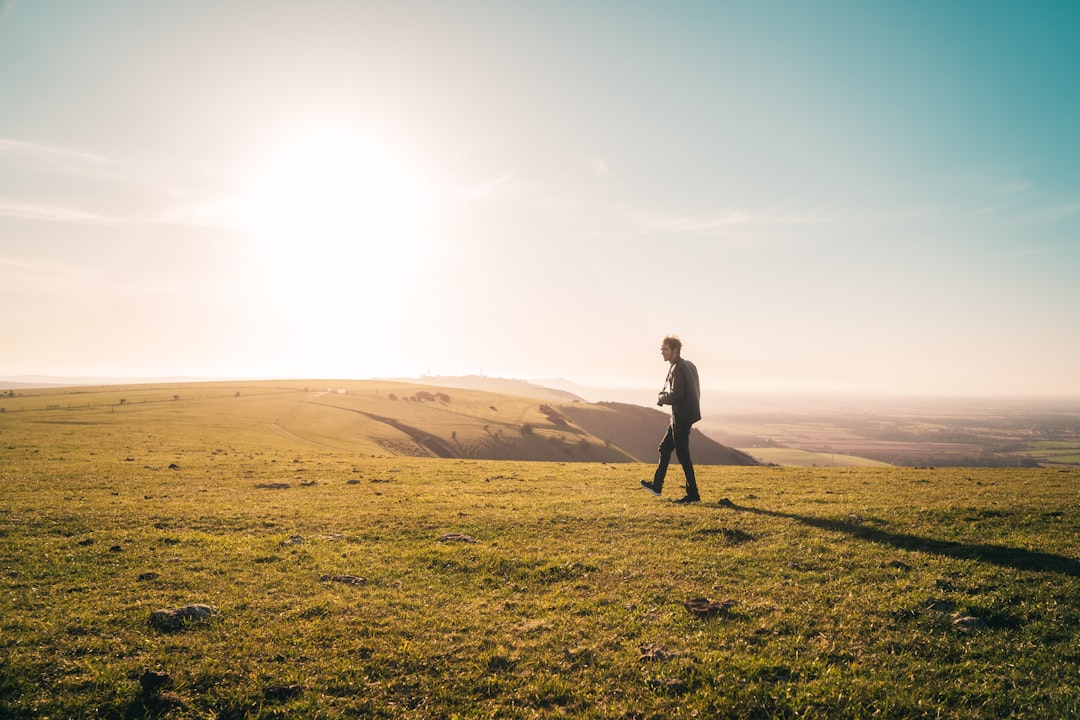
[(554, 416)]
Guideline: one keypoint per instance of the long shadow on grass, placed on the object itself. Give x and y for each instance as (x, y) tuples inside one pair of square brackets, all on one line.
[(1018, 558)]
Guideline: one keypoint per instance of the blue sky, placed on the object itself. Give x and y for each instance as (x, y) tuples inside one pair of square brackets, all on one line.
[(828, 196)]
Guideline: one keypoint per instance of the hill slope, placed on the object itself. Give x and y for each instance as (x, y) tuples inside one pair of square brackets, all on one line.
[(638, 431), (369, 417)]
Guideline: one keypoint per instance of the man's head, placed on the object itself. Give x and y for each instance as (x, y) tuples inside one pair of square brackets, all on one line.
[(671, 348)]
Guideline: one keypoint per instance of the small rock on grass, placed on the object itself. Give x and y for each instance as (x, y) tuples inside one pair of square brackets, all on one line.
[(942, 606), (652, 651), (457, 537), (671, 685), (703, 607), (959, 619), (178, 618), (346, 579), (282, 692), (967, 623), (152, 681)]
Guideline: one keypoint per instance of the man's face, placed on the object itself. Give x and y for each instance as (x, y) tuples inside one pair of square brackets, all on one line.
[(667, 352)]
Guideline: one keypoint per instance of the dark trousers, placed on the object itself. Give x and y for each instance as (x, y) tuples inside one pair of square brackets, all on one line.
[(677, 440)]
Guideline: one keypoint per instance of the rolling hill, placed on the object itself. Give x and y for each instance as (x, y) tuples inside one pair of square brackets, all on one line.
[(371, 417)]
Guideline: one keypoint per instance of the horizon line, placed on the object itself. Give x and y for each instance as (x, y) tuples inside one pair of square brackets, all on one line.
[(43, 381)]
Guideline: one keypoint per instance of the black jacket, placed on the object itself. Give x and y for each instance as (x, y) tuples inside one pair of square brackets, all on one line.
[(683, 393)]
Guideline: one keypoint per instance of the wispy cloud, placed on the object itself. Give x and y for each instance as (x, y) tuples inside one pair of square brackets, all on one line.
[(40, 156), (597, 166), (1035, 250), (68, 185), (490, 189), (23, 275), (17, 264), (724, 223), (7, 8), (204, 215), (598, 208), (585, 200), (1055, 213), (1030, 210), (57, 213), (1015, 186), (1014, 201)]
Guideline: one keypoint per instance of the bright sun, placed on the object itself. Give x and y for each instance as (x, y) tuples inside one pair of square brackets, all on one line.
[(335, 216)]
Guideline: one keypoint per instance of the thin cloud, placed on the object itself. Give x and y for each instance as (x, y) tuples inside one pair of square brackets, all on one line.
[(492, 189), (53, 157), (31, 276), (13, 263), (598, 166), (205, 215), (1054, 214), (68, 180), (1025, 212), (56, 213), (1013, 187), (7, 9), (717, 224), (600, 217), (1005, 197), (562, 190), (1035, 251), (507, 188), (1015, 201)]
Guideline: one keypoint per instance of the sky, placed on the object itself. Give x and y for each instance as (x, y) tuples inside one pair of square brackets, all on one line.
[(837, 196)]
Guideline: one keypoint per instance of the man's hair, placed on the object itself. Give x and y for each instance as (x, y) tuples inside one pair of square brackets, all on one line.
[(673, 342)]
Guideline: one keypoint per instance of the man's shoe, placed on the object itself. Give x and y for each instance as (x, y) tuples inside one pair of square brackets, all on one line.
[(687, 500), (651, 487)]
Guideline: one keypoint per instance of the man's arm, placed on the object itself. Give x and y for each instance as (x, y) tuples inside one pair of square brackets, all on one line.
[(678, 386)]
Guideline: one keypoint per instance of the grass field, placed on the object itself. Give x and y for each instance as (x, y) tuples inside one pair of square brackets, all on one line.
[(804, 458), (355, 586), (1055, 453)]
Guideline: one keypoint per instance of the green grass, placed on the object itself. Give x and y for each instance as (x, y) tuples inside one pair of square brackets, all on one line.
[(805, 458), (1055, 453), (849, 585)]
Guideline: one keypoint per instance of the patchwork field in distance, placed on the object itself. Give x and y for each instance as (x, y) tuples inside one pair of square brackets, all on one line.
[(913, 432), (790, 457), (322, 581)]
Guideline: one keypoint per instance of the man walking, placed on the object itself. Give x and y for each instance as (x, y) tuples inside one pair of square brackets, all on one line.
[(682, 392)]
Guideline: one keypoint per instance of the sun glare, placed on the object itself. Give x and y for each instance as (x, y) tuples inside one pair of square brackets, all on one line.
[(338, 227), (330, 203)]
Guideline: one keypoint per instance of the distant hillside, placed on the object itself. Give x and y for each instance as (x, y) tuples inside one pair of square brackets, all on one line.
[(639, 430), (369, 417), (501, 386)]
